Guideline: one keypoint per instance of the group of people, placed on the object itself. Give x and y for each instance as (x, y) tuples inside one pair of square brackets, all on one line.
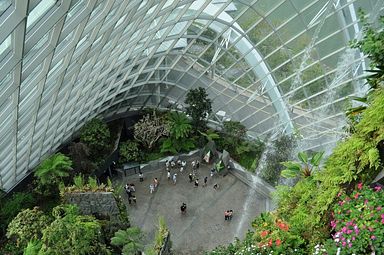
[(130, 189), (228, 214)]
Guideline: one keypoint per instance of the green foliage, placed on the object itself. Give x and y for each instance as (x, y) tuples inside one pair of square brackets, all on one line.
[(280, 151), (71, 233), (199, 107), (96, 135), (235, 129), (177, 145), (80, 186), (27, 225), (161, 234), (210, 135), (53, 169), (180, 129), (303, 168), (180, 126), (372, 42), (12, 206), (130, 240), (33, 247), (129, 151)]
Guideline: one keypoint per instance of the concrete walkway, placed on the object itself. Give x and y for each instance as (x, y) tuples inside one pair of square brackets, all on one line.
[(203, 227)]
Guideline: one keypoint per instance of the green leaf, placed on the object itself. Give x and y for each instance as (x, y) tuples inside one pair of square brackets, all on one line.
[(303, 157), (315, 160), (287, 173), (293, 166)]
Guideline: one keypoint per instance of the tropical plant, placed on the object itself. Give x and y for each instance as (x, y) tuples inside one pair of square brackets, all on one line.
[(33, 247), (199, 107), (210, 135), (235, 129), (129, 240), (149, 129), (304, 168), (180, 125), (27, 225), (96, 135), (71, 233), (129, 151), (53, 169), (12, 206)]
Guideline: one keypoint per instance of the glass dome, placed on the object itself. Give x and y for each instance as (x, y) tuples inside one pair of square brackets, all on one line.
[(275, 66)]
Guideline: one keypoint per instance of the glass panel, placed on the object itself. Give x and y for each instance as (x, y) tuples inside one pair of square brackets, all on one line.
[(39, 11)]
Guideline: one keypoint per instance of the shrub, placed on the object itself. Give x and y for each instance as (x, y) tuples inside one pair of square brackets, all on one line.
[(27, 225), (129, 151), (12, 206), (96, 135)]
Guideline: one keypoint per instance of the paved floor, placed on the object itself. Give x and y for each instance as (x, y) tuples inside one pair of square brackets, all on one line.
[(203, 226)]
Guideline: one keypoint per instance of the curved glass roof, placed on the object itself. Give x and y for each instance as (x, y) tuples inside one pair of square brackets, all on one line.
[(275, 66)]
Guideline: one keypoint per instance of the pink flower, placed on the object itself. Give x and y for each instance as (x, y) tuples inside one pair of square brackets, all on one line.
[(377, 188), (356, 230), (344, 229), (356, 195), (353, 238), (373, 237), (344, 243), (379, 208), (350, 245), (333, 224), (365, 201), (370, 229), (360, 185)]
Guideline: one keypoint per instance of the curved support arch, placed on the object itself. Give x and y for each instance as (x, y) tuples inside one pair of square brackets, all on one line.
[(253, 58)]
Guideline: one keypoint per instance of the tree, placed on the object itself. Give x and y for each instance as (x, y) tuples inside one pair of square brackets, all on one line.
[(53, 169), (304, 168), (149, 129), (200, 106), (235, 129), (130, 240), (79, 153), (129, 151), (95, 134), (27, 225), (71, 233)]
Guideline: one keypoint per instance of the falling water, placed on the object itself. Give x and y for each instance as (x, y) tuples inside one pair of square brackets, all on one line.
[(308, 50), (263, 158)]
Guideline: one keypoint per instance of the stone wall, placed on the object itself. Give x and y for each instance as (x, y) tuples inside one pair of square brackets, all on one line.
[(100, 204)]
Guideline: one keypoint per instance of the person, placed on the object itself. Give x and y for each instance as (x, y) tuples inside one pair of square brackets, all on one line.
[(151, 188), (141, 176), (193, 164), (169, 175), (167, 164), (172, 163), (226, 215), (183, 208), (197, 164), (212, 172), (155, 182), (230, 214), (132, 187), (174, 178), (179, 162), (216, 186), (196, 183), (205, 181), (181, 169), (190, 177), (133, 198)]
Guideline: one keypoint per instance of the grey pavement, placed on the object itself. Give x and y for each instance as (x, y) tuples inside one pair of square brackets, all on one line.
[(203, 227)]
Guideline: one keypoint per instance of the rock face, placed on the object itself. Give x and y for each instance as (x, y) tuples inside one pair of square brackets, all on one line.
[(102, 205)]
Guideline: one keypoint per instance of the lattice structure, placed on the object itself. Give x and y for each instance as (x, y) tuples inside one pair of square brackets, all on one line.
[(279, 65)]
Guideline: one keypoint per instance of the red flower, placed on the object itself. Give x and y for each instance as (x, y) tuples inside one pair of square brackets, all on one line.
[(278, 242), (270, 242), (356, 195), (283, 226), (264, 233), (377, 188), (360, 185)]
